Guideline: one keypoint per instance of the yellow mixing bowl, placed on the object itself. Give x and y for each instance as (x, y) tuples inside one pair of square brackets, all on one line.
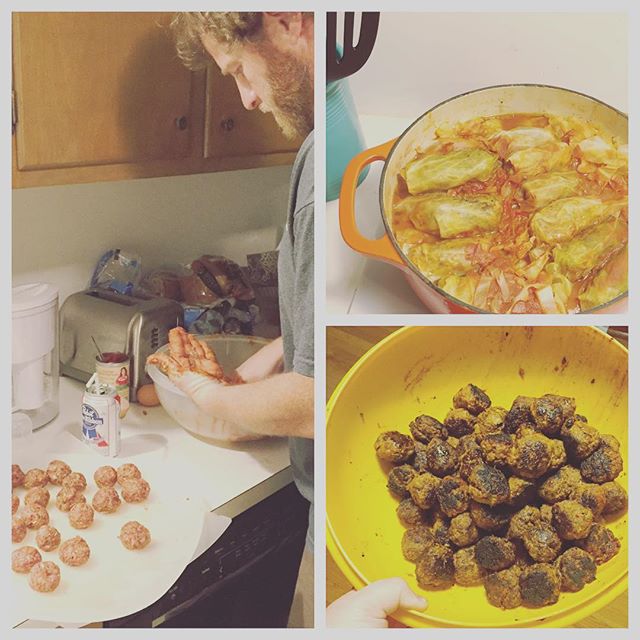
[(417, 370)]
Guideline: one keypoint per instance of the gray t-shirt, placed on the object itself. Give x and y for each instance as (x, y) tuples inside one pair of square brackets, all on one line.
[(295, 286)]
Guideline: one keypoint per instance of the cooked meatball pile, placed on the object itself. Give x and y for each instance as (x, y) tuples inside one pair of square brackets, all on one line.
[(511, 499)]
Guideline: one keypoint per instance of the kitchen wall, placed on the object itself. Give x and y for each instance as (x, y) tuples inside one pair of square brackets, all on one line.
[(60, 232)]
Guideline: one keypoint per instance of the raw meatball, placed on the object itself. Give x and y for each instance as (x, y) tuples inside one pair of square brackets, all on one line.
[(81, 516), (437, 457), (134, 536), (452, 496), (423, 490), (76, 481), (472, 398), (17, 476), (44, 577), (580, 439), (467, 572), (542, 542), (57, 471), (489, 518), (503, 588), (463, 531), (522, 521), (35, 516), (550, 412), (15, 503), (105, 476), (494, 553), (571, 520), (531, 454), (490, 421), (435, 569), (67, 497), (399, 478), (560, 485), (592, 496), (106, 500), (459, 422), (519, 414), (576, 568), (539, 585), (410, 513), (18, 529), (37, 495), (136, 490), (24, 558), (35, 478), (129, 471), (424, 428), (74, 551), (521, 492), (601, 543), (391, 446), (615, 496), (415, 541), (603, 465), (496, 447), (48, 538), (488, 485)]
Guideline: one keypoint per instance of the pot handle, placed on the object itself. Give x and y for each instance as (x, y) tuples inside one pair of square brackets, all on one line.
[(381, 248)]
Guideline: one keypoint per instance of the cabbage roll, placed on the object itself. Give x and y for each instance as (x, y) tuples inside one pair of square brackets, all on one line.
[(521, 138), (448, 216), (581, 255), (608, 284), (551, 186), (563, 219), (460, 287), (448, 257), (599, 151), (537, 160), (444, 171)]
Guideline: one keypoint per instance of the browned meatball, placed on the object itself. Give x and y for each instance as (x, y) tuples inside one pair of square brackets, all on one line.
[(391, 446), (398, 479), (558, 455), (35, 516), (489, 518), (48, 538), (410, 513), (496, 447), (609, 440), (76, 481), (18, 529), (519, 414), (57, 471), (615, 496), (550, 412), (503, 588), (576, 568), (531, 454), (135, 490), (472, 398), (35, 478), (437, 457), (522, 521), (459, 422), (539, 585), (106, 500), (580, 439), (469, 455), (74, 552), (463, 531), (435, 569), (24, 558), (423, 490), (571, 520), (488, 485), (601, 544), (415, 541), (490, 421), (67, 497), (494, 553), (439, 526), (592, 496), (542, 542), (424, 428), (37, 495), (546, 513), (17, 476), (603, 465), (81, 516), (453, 496), (521, 492), (467, 572), (44, 577), (105, 476), (560, 485)]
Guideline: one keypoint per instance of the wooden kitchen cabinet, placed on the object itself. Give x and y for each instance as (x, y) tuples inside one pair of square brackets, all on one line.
[(103, 96)]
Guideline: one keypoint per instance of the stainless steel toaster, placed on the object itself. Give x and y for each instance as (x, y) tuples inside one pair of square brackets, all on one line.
[(134, 325)]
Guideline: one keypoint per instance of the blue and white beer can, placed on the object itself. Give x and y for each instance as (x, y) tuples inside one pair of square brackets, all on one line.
[(100, 418)]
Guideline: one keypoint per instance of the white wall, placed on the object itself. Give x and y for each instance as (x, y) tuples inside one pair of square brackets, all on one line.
[(421, 59), (60, 232)]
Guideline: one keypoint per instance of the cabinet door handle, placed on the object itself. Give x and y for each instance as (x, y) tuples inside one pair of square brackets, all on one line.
[(182, 123), (228, 124)]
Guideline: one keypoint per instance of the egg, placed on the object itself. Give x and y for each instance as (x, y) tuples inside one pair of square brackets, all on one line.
[(147, 396)]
